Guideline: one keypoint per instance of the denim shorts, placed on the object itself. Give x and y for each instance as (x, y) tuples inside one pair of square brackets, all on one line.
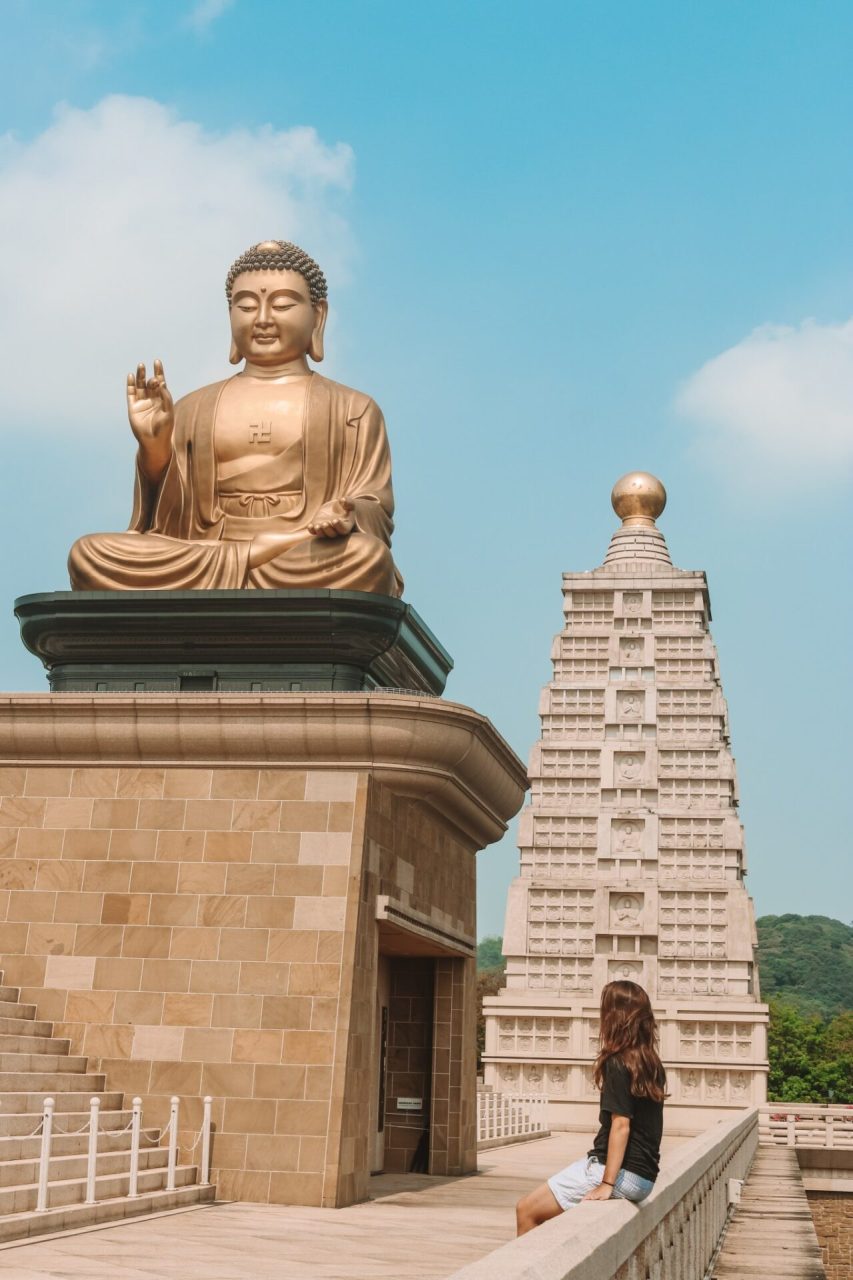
[(571, 1184)]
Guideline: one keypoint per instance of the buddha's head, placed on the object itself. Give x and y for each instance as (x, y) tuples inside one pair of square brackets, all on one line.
[(277, 303)]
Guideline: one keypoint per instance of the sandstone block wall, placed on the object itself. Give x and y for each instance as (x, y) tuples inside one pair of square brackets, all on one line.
[(832, 1212), (213, 931), (185, 928)]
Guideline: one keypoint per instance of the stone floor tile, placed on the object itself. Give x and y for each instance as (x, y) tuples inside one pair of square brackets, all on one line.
[(413, 1228)]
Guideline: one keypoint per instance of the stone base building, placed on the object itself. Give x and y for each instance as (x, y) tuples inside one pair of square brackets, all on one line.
[(268, 898), (632, 856)]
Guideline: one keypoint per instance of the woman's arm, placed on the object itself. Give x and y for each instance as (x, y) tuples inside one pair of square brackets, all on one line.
[(620, 1127)]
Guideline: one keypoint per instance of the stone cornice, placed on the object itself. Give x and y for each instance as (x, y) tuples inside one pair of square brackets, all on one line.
[(439, 752)]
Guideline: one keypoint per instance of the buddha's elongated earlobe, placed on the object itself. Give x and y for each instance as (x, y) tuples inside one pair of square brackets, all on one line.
[(315, 347), (234, 356)]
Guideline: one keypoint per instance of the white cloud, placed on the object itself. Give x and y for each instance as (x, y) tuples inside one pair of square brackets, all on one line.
[(118, 226), (205, 12), (783, 396)]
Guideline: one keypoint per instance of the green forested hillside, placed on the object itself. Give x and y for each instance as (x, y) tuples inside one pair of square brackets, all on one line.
[(807, 961)]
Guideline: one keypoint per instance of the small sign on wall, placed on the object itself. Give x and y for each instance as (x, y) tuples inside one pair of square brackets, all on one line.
[(410, 1104)]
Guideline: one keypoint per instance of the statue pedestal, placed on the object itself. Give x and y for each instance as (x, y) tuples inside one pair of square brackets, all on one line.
[(230, 641), (265, 898)]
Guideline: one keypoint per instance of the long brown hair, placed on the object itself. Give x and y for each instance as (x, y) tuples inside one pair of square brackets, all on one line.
[(629, 1031)]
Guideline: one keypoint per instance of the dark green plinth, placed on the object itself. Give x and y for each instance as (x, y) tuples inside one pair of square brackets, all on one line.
[(230, 641)]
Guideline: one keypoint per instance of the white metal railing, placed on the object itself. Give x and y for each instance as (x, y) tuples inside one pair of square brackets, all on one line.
[(805, 1124), (48, 1131), (508, 1116)]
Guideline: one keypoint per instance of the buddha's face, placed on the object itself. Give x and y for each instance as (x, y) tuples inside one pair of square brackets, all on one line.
[(273, 319)]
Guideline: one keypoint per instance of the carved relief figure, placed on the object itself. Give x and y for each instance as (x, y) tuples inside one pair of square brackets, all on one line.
[(627, 837), (276, 477), (558, 1079), (630, 706), (715, 1085), (627, 912), (629, 768)]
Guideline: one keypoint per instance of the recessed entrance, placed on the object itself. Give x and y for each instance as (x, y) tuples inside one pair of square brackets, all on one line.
[(424, 1055), (404, 1039)]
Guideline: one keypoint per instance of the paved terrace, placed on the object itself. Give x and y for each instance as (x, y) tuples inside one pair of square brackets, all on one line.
[(413, 1228)]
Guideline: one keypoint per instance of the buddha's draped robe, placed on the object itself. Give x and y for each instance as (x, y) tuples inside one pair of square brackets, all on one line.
[(185, 534)]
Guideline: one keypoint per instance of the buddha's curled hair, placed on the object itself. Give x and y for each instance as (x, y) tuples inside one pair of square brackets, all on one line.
[(279, 255), (629, 1032)]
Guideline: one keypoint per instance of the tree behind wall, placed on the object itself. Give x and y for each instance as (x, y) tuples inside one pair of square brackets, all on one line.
[(490, 978), (811, 1060), (490, 953)]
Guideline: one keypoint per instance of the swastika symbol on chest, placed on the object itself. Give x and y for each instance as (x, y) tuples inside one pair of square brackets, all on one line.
[(260, 433)]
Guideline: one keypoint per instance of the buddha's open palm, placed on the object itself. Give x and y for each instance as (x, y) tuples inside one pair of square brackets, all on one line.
[(150, 408), (334, 519)]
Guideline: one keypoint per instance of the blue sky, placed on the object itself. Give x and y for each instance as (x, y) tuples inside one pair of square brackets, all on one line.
[(563, 241)]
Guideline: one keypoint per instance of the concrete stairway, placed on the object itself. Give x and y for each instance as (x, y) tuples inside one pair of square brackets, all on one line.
[(34, 1064)]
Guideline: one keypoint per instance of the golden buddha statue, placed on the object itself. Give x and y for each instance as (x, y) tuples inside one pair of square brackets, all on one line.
[(276, 477)]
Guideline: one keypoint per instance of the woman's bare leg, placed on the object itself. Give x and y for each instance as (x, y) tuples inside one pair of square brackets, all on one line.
[(535, 1208)]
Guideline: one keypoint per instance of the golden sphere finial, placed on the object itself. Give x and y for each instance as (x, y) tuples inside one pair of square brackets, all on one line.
[(638, 498)]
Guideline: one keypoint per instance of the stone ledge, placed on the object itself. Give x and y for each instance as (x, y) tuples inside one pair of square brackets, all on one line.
[(593, 1241), (440, 752), (421, 934)]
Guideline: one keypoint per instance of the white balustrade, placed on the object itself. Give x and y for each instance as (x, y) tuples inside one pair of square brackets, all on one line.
[(44, 1157), (510, 1117), (92, 1161), (46, 1128), (135, 1128), (806, 1124), (173, 1143), (204, 1172)]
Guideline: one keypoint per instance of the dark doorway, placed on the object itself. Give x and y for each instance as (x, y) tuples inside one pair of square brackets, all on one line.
[(405, 1083)]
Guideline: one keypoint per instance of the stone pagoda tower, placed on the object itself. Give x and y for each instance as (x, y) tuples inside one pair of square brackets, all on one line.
[(632, 858)]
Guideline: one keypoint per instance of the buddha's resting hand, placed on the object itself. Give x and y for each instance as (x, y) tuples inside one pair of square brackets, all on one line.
[(334, 519), (152, 418)]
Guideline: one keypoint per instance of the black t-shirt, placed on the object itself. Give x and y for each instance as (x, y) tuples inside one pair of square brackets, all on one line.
[(642, 1154)]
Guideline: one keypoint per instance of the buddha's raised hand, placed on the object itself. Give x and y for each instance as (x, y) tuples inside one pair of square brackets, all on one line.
[(152, 417)]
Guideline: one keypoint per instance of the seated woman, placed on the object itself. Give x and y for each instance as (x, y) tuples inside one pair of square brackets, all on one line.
[(624, 1159)]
